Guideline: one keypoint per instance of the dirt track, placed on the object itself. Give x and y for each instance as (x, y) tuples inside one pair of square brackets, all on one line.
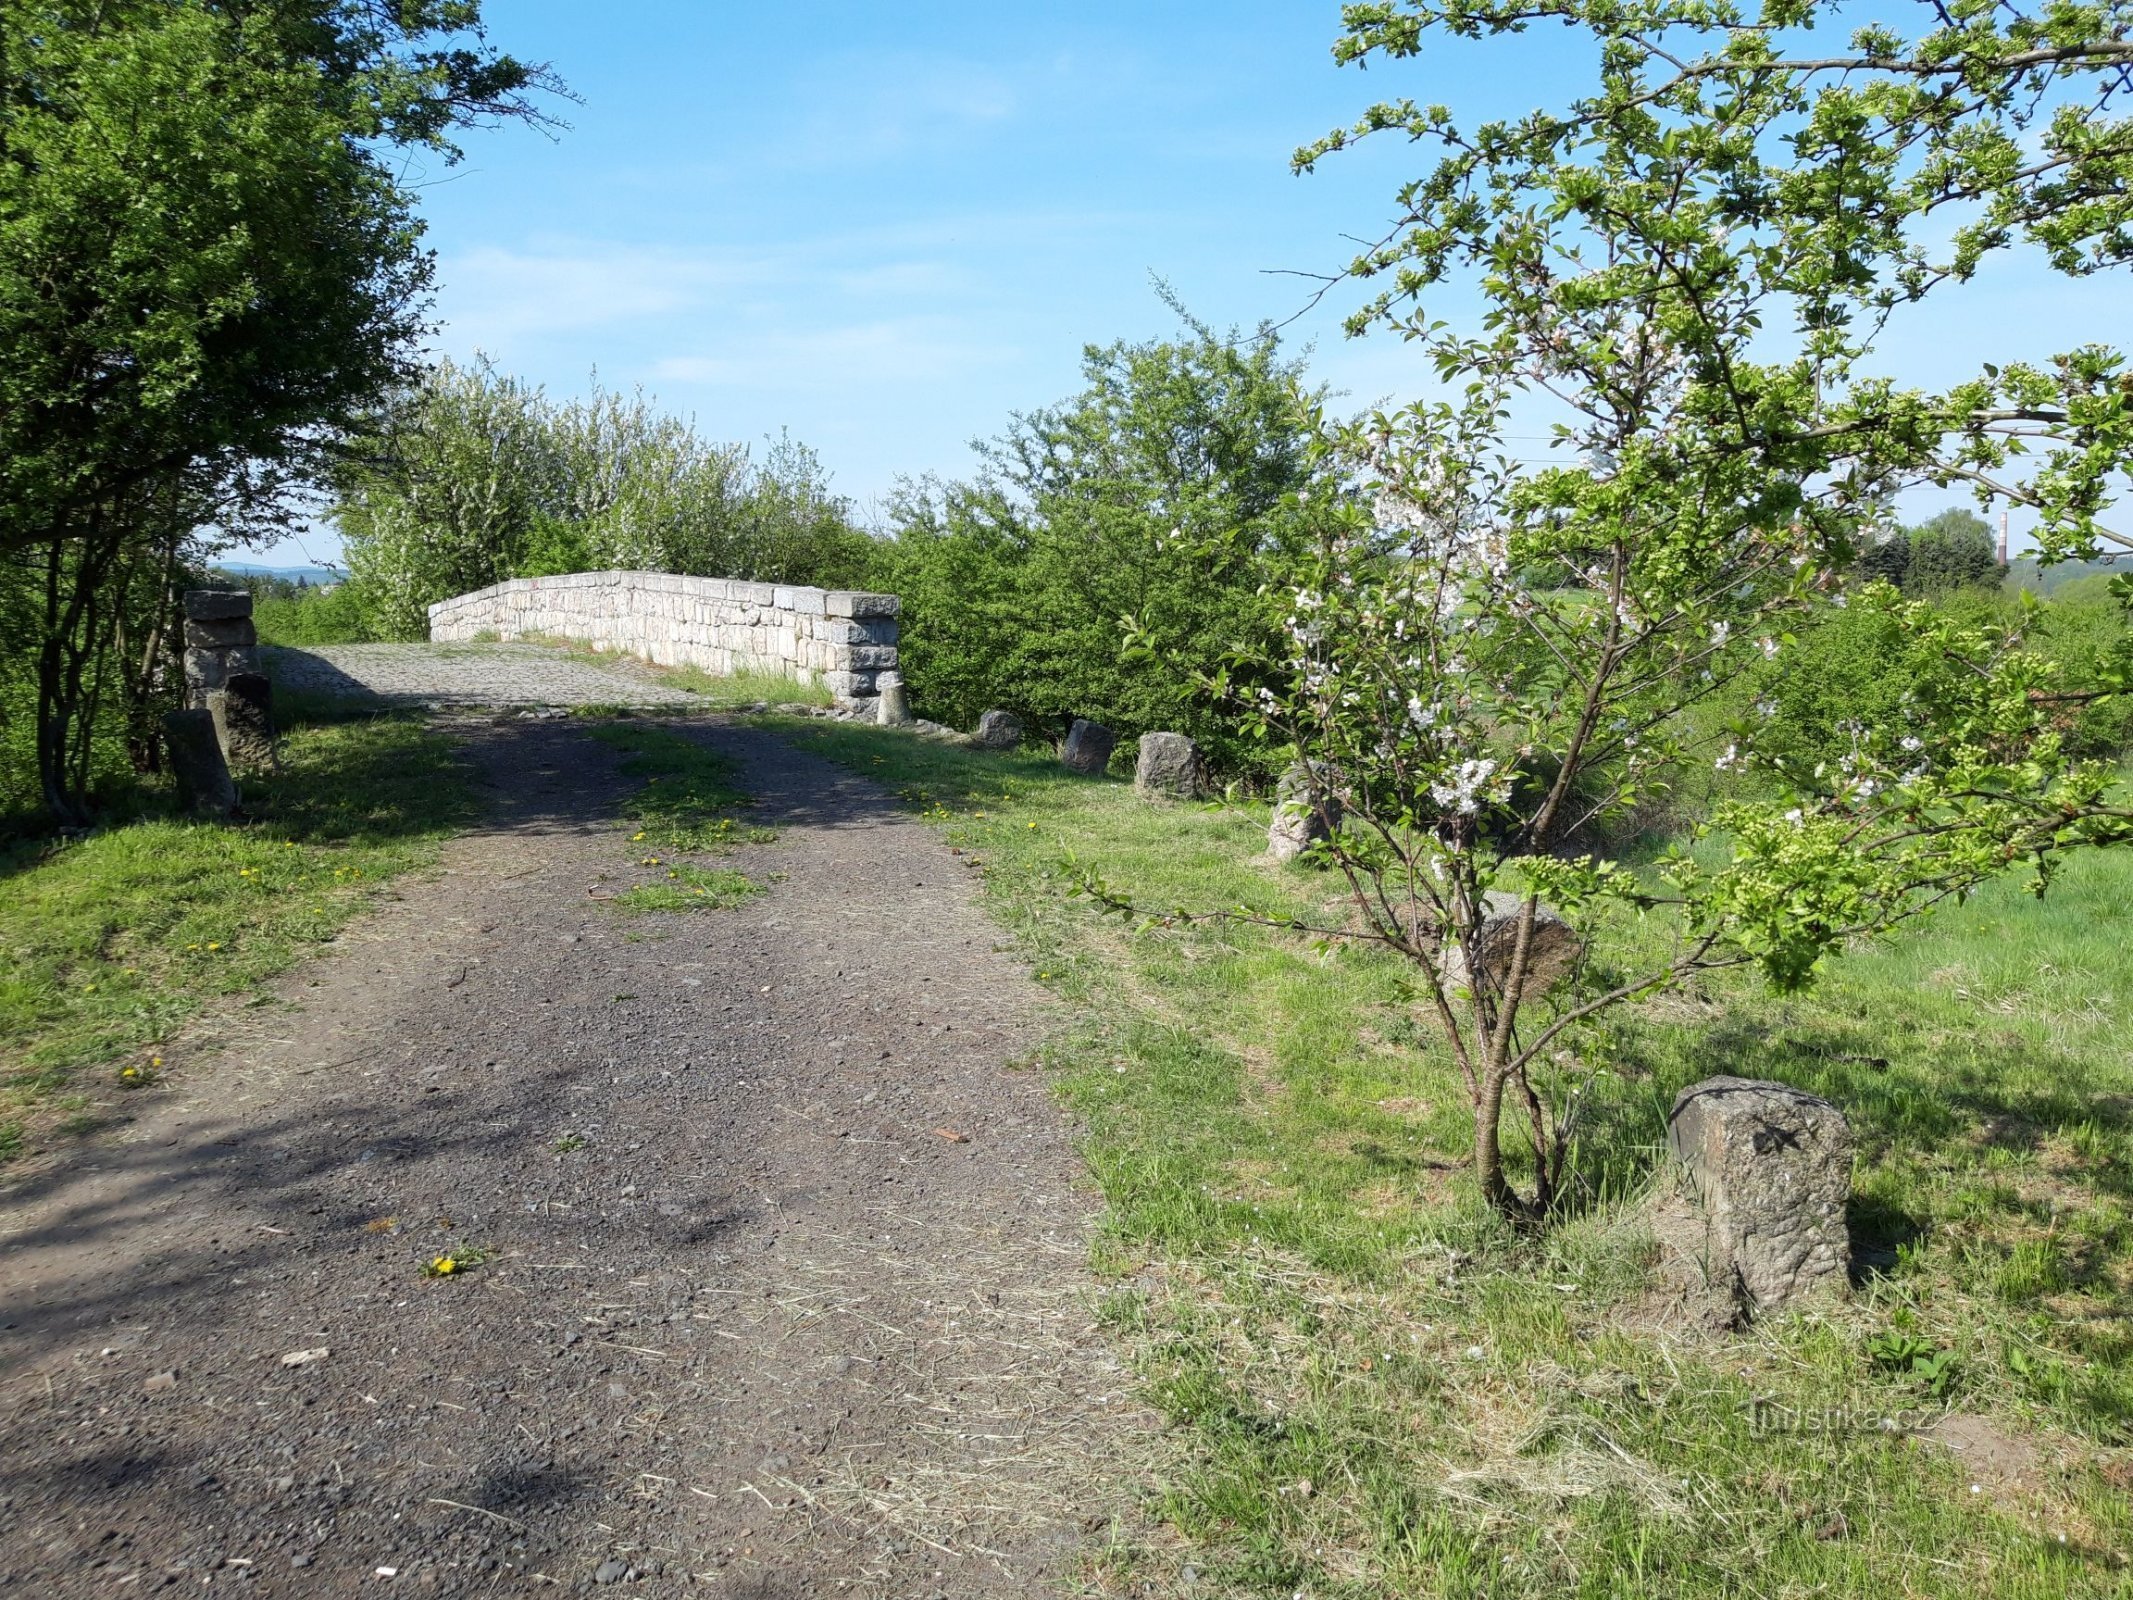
[(804, 1313)]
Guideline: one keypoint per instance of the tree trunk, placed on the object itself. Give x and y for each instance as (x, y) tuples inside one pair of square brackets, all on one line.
[(1488, 1145)]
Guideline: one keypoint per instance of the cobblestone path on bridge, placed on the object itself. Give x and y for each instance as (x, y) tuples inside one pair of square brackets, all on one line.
[(471, 675)]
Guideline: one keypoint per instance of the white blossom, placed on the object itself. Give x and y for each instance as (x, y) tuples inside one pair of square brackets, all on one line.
[(1462, 790)]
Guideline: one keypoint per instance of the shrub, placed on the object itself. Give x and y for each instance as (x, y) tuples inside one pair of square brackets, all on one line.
[(1108, 558), (471, 477)]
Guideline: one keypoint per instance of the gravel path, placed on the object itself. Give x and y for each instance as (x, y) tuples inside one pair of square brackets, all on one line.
[(471, 675), (783, 1291)]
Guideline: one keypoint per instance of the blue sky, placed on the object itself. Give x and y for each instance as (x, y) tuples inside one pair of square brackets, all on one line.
[(887, 227)]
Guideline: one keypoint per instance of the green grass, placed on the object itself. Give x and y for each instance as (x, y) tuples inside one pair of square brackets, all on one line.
[(691, 889), (689, 804), (1383, 1391), (689, 799), (109, 942), (745, 688)]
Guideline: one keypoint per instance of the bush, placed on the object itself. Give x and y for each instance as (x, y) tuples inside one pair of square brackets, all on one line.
[(472, 477), (1109, 557), (332, 615)]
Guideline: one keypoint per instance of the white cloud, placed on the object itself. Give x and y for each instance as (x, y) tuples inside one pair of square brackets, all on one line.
[(495, 297), (881, 106), (895, 351)]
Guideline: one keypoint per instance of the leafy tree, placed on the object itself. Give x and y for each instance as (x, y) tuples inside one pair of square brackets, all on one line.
[(1887, 559), (207, 264), (1693, 261), (1953, 550), (1109, 551)]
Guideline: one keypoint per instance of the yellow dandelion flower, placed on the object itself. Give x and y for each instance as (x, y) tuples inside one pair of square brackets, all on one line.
[(443, 1266), (214, 944)]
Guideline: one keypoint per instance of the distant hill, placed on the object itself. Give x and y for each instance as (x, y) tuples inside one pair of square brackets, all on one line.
[(314, 576), (2024, 573)]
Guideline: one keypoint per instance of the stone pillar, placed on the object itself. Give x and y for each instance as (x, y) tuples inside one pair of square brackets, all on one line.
[(219, 640), (1168, 768), (203, 777), (894, 709), (1088, 748), (1306, 810), (243, 709), (1769, 1172)]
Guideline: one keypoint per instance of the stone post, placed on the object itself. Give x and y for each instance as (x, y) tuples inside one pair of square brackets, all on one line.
[(894, 707), (203, 777), (1551, 952), (998, 730), (1168, 768), (1088, 748), (1306, 810), (1769, 1170), (219, 640), (243, 709)]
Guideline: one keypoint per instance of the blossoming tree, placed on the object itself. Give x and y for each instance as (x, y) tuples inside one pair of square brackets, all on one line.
[(1686, 273)]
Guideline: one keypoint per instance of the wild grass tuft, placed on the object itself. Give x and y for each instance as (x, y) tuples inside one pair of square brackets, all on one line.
[(689, 799), (691, 889)]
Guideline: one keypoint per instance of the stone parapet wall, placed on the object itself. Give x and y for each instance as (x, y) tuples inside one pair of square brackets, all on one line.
[(838, 638)]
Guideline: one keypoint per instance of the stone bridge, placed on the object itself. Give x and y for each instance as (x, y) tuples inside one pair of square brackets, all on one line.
[(839, 638)]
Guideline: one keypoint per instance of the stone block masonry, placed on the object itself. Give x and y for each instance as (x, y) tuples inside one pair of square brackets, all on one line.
[(839, 638)]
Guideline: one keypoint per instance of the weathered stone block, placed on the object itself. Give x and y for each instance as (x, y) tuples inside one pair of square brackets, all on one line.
[(208, 670), (872, 655), (998, 730), (1551, 952), (846, 603), (1769, 1168), (243, 710), (894, 706), (1088, 747), (217, 605), (1168, 768), (232, 633), (203, 777), (1307, 809)]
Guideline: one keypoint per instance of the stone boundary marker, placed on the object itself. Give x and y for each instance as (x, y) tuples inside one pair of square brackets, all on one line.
[(1769, 1173), (1088, 747), (1168, 768), (841, 638)]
